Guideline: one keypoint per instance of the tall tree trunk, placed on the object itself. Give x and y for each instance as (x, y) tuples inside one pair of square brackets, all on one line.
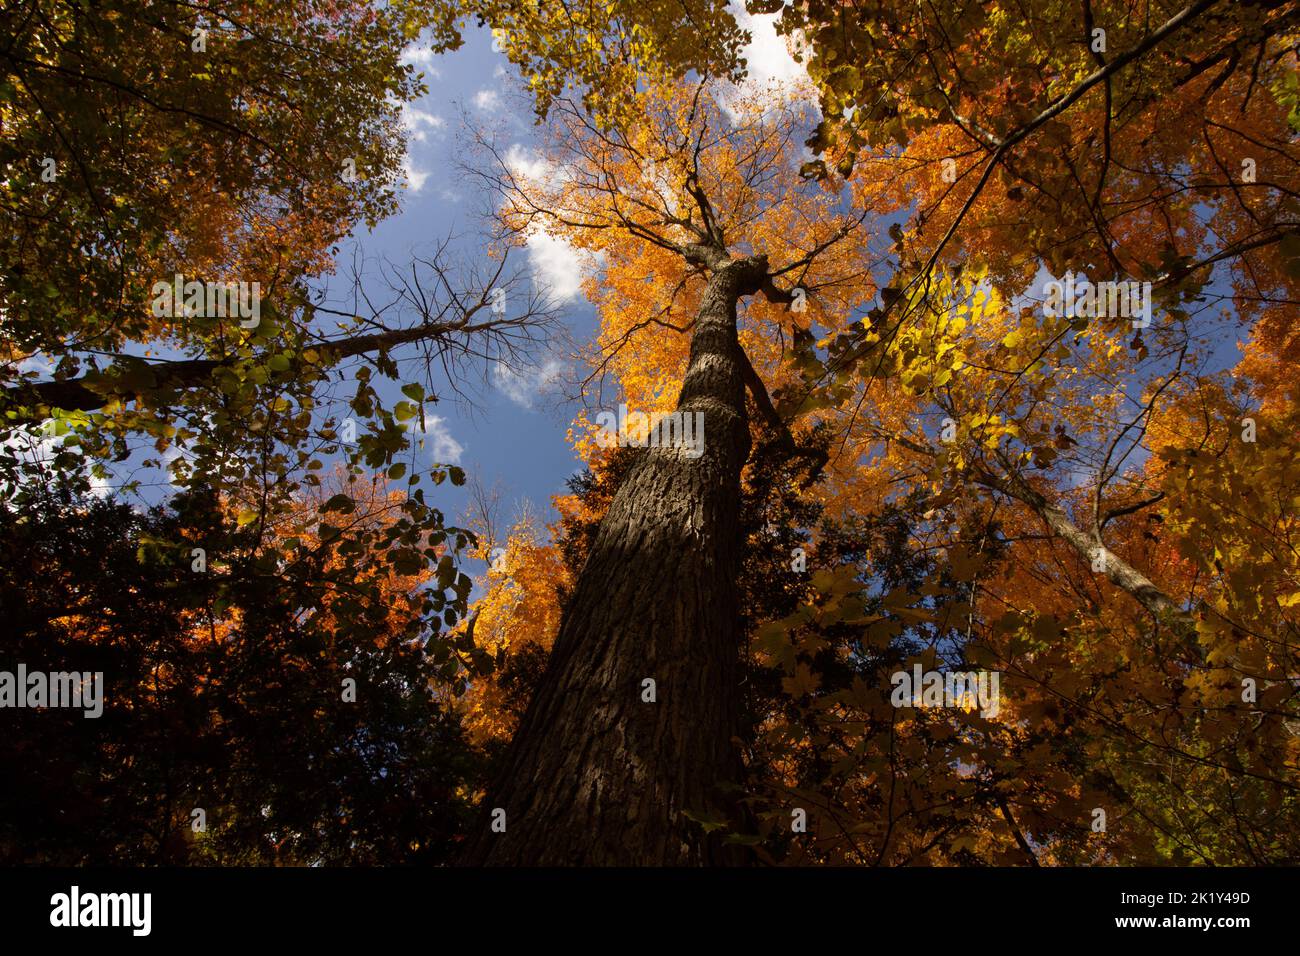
[(595, 774)]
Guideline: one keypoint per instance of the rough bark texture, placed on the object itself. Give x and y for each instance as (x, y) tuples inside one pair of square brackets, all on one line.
[(596, 775)]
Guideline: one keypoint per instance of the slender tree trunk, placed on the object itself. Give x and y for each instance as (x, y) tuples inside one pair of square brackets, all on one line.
[(1121, 573), (595, 774)]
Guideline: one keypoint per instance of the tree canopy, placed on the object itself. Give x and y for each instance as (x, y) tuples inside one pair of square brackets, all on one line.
[(988, 328)]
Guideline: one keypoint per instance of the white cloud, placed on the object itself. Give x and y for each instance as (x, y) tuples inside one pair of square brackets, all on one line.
[(557, 265), (35, 363), (169, 456), (436, 438), (418, 123), (486, 99), (526, 163), (522, 387), (422, 58), (771, 70), (415, 178), (767, 56), (43, 446), (100, 487)]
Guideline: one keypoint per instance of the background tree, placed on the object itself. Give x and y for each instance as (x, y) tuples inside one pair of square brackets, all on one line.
[(225, 690), (233, 143)]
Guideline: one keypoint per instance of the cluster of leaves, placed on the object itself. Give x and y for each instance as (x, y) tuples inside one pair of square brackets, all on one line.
[(303, 699), (601, 49), (514, 625), (232, 143), (207, 142), (1094, 713), (1064, 498), (236, 143)]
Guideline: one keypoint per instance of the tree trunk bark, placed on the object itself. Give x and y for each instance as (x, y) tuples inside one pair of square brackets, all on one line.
[(595, 774)]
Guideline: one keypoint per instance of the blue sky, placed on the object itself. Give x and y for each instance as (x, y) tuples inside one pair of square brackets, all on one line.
[(509, 431), (508, 427)]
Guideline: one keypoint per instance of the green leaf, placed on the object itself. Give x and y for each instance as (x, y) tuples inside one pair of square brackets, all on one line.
[(446, 572), (708, 821), (341, 503), (407, 561)]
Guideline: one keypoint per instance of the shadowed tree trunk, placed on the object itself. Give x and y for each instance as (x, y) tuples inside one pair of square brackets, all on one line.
[(596, 775)]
